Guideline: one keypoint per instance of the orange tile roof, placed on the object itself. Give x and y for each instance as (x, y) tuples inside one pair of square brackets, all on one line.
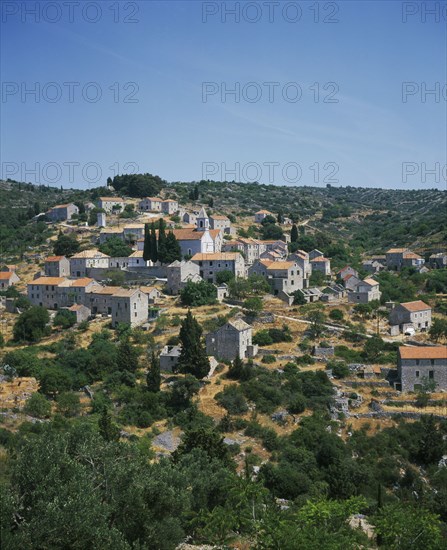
[(418, 305), (320, 259), (169, 200), (396, 250), (218, 217), (412, 256), (48, 281), (54, 258), (77, 283), (426, 352), (370, 281), (111, 199), (280, 265), (263, 212), (6, 275), (230, 256), (149, 289), (125, 292), (103, 290)]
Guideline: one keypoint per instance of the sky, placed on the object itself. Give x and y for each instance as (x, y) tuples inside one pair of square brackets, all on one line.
[(290, 93)]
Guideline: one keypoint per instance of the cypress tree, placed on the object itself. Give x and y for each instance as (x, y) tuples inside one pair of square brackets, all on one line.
[(127, 356), (173, 250), (196, 193), (162, 250), (147, 250), (294, 234), (193, 358), (108, 430), (153, 377), (154, 248)]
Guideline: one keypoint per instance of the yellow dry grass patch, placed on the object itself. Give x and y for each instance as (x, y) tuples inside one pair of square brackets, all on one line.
[(17, 391)]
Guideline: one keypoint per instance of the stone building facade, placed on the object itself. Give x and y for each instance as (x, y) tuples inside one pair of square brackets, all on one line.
[(421, 366), (234, 339)]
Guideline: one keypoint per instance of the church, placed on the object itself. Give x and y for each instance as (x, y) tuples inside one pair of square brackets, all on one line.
[(201, 240)]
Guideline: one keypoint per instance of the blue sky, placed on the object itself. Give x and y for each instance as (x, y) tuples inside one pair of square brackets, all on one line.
[(156, 115)]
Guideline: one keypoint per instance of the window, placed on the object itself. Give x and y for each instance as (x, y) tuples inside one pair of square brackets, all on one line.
[(417, 374), (431, 374), (417, 361), (432, 361)]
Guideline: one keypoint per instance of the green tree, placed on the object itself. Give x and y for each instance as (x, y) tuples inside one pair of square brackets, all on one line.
[(336, 315), (64, 319), (193, 358), (402, 526), (153, 377), (162, 250), (298, 298), (253, 305), (68, 404), (38, 406), (115, 247), (108, 430), (147, 250), (294, 234), (438, 329), (173, 250), (317, 319), (154, 245), (31, 325), (65, 245), (127, 356), (224, 277), (198, 294)]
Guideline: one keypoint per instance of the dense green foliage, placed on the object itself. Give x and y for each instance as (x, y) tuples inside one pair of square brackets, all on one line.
[(198, 294), (32, 325)]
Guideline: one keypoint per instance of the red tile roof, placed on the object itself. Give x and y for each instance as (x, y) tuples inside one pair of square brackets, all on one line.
[(426, 352)]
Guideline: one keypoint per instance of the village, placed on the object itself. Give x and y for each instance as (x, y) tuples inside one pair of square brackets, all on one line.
[(144, 293)]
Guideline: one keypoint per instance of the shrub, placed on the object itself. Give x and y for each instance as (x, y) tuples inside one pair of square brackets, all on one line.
[(269, 359), (262, 338), (197, 294), (68, 404), (64, 319), (38, 406), (336, 315), (339, 369), (297, 405), (232, 399)]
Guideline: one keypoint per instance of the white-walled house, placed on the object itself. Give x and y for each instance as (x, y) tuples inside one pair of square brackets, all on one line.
[(110, 203), (136, 260), (150, 204), (211, 264), (57, 266), (8, 279), (261, 215), (169, 206), (62, 212), (81, 262)]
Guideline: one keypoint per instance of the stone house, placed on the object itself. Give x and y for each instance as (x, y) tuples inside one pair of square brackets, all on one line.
[(153, 294), (259, 267), (82, 262), (129, 306), (438, 260), (136, 260), (234, 339), (284, 277), (220, 222), (364, 292), (416, 315), (62, 212), (373, 266), (109, 204), (350, 282), (190, 218), (333, 293), (347, 270), (272, 255), (315, 253), (73, 291), (55, 292), (8, 279), (397, 258), (301, 258), (43, 291), (252, 249), (169, 206), (150, 204), (133, 231), (417, 366), (179, 273), (261, 215), (81, 312), (410, 259), (321, 264), (99, 299), (118, 262), (57, 266), (169, 358), (211, 264)]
